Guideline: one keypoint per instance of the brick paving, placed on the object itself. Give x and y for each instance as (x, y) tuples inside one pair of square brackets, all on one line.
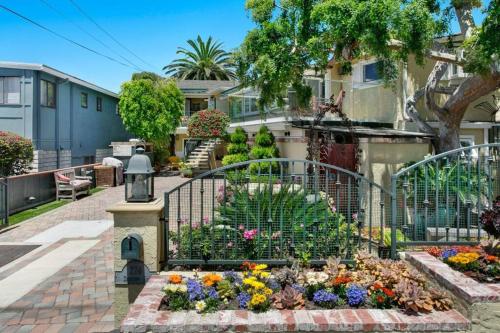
[(144, 316), (79, 297)]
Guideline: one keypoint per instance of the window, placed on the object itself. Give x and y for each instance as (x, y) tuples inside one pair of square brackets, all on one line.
[(371, 72), (99, 104), (10, 90), (84, 100), (47, 93)]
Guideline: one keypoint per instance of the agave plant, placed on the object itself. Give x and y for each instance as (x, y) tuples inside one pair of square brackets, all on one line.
[(289, 299)]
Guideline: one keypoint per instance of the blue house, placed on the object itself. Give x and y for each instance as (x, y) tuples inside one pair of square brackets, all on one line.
[(70, 121)]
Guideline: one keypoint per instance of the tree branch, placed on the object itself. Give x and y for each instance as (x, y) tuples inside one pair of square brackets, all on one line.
[(412, 112), (470, 90), (435, 76), (465, 19)]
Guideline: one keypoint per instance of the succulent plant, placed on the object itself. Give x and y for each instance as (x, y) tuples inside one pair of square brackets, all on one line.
[(413, 298), (288, 298), (225, 290), (286, 276), (333, 267), (441, 301)]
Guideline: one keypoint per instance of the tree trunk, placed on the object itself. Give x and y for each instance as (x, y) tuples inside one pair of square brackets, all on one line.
[(449, 136)]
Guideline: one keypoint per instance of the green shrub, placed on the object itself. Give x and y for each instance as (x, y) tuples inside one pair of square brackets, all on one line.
[(16, 154), (234, 158), (238, 148), (265, 147)]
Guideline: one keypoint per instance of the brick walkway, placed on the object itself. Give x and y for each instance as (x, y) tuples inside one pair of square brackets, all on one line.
[(79, 297)]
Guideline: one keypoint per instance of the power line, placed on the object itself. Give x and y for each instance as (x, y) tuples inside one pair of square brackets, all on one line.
[(46, 3), (108, 34), (62, 36)]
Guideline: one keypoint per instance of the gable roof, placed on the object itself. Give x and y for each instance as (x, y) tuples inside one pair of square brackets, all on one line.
[(57, 73)]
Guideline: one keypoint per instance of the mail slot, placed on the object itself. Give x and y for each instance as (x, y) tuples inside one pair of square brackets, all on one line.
[(132, 247)]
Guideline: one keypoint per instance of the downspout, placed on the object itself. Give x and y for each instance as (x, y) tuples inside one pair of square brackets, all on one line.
[(57, 126)]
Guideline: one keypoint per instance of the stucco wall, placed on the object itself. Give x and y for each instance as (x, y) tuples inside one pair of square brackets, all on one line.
[(380, 159)]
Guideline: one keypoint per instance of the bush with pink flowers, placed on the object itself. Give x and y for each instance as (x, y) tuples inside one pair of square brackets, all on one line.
[(208, 124), (16, 154)]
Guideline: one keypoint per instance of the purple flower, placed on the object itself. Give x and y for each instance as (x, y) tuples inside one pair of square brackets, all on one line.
[(325, 298), (448, 253), (195, 290), (356, 295), (212, 293), (243, 298), (299, 288), (232, 277)]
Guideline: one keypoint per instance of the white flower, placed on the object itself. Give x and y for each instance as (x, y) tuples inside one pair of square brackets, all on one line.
[(313, 278), (200, 306), (173, 288)]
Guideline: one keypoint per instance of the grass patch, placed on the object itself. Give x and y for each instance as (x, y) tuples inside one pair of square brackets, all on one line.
[(32, 212)]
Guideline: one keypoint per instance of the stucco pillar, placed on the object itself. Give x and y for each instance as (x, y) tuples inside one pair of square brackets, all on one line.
[(141, 219)]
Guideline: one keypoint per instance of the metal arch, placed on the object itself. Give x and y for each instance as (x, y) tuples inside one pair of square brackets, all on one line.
[(445, 154), (287, 160)]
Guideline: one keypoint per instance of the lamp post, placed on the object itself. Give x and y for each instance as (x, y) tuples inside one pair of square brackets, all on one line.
[(139, 180)]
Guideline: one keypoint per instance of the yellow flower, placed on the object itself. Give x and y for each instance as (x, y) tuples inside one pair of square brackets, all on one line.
[(257, 299), (267, 291), (260, 267)]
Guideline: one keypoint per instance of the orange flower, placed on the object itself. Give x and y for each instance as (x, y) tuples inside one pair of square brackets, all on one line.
[(380, 299), (434, 251), (388, 292), (211, 279), (491, 258), (247, 265), (175, 279), (341, 280), (377, 286)]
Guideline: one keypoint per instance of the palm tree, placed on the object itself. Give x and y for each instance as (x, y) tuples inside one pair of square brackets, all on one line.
[(206, 61)]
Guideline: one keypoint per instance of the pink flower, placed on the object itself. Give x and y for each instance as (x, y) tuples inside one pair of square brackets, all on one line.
[(241, 227), (355, 216), (334, 209), (230, 245), (250, 234)]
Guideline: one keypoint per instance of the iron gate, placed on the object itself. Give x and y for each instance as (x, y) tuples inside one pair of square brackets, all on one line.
[(273, 210), (439, 201)]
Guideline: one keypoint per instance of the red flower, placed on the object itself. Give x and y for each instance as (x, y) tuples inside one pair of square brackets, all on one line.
[(341, 280), (380, 299), (388, 292)]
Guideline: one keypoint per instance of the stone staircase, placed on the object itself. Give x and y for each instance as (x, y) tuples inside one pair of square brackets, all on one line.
[(199, 159)]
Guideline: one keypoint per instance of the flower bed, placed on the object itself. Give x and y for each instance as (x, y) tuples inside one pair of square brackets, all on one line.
[(374, 283), (474, 262), (144, 316)]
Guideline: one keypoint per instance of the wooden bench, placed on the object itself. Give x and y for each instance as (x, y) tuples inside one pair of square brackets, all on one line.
[(69, 186)]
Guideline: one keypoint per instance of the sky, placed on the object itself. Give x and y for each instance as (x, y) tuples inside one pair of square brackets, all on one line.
[(151, 29)]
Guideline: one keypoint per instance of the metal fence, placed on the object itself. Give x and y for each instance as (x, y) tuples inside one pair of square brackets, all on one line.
[(438, 201), (271, 211), (4, 204)]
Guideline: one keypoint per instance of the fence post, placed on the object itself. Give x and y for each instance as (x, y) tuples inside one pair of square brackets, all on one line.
[(393, 216)]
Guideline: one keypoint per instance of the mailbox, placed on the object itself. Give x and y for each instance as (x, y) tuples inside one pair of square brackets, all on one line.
[(132, 247)]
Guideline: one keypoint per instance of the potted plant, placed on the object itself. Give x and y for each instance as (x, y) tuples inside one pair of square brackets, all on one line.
[(185, 170)]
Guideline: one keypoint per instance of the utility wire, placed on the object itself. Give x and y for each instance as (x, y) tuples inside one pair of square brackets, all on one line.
[(46, 3), (62, 36), (108, 34)]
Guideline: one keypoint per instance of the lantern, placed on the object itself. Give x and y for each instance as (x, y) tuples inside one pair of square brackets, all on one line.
[(139, 180)]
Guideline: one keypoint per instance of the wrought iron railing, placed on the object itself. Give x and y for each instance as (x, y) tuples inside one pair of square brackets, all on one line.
[(438, 201), (4, 205), (271, 211)]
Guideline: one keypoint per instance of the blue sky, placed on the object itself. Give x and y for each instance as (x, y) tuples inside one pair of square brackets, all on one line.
[(151, 29)]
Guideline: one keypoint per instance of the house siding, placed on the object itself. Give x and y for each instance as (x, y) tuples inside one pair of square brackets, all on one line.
[(68, 134)]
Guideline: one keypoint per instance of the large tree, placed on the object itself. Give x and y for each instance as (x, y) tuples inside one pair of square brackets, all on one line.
[(294, 35), (206, 60), (151, 107)]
